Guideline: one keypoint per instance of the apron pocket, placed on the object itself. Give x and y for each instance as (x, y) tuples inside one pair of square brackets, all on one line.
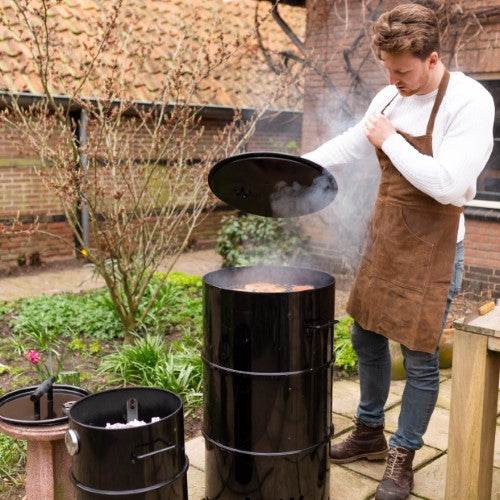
[(399, 254)]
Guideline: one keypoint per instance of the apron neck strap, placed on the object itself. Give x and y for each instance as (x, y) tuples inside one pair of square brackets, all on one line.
[(443, 85)]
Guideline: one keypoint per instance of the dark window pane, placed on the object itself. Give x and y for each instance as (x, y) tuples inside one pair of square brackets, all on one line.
[(488, 183)]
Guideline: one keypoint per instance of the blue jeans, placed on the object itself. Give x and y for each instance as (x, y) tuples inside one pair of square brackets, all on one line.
[(422, 377)]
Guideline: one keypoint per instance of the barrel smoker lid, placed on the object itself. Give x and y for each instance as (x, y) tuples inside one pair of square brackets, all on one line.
[(272, 184), (17, 408)]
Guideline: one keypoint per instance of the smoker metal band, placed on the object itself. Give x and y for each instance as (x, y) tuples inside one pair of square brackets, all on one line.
[(269, 454), (266, 374), (119, 493)]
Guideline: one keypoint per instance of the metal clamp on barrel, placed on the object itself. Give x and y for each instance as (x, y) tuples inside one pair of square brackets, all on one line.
[(168, 447), (318, 326), (44, 387)]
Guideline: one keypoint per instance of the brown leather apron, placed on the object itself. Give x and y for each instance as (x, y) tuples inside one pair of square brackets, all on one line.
[(402, 283)]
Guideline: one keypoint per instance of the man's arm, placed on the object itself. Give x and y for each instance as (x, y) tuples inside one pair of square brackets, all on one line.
[(353, 144), (350, 146)]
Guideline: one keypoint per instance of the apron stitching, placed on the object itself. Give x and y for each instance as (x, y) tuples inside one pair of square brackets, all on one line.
[(399, 283)]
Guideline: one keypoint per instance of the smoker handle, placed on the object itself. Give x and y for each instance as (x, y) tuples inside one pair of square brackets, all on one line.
[(317, 327), (166, 449), (44, 387)]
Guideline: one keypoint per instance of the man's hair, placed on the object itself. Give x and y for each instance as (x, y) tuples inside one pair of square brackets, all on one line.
[(407, 28)]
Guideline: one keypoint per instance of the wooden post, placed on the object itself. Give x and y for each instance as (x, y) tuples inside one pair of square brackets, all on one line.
[(471, 438)]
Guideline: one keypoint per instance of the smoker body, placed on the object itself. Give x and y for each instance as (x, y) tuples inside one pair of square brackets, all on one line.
[(268, 369)]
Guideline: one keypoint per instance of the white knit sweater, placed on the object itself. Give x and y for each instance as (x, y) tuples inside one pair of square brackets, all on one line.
[(462, 140)]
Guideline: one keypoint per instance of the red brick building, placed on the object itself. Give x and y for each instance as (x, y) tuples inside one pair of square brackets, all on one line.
[(244, 84), (336, 35)]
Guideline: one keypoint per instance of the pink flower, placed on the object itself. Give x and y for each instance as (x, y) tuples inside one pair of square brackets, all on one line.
[(34, 356)]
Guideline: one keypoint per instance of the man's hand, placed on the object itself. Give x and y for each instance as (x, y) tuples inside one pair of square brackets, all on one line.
[(378, 128)]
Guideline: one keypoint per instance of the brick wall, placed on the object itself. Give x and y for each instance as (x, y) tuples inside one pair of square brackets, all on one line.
[(482, 252), (24, 194), (332, 26)]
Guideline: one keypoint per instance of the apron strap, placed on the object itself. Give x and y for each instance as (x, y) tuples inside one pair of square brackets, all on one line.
[(443, 85), (388, 104)]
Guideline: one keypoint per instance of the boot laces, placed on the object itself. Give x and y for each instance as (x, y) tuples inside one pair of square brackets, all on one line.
[(395, 461)]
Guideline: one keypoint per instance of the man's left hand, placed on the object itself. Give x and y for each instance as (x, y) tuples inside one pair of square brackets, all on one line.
[(378, 128)]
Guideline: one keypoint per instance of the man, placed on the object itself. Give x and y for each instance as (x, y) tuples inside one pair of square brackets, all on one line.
[(432, 132)]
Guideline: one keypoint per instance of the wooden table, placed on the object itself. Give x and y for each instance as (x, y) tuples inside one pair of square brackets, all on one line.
[(473, 409)]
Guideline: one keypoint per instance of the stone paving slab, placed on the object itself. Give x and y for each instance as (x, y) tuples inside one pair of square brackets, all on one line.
[(444, 396), (195, 450), (346, 484), (196, 483), (341, 424), (437, 432), (430, 481), (345, 397)]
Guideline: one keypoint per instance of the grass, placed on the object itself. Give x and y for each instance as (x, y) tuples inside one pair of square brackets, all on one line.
[(12, 464)]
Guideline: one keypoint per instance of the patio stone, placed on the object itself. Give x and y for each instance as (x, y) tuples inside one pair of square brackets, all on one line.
[(196, 483), (345, 397), (437, 432), (195, 450), (341, 423), (345, 483), (444, 395), (430, 481), (397, 387)]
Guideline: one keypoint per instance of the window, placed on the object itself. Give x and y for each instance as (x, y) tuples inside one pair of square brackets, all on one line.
[(488, 183)]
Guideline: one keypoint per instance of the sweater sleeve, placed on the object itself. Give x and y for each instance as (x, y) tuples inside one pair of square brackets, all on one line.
[(352, 145), (467, 144)]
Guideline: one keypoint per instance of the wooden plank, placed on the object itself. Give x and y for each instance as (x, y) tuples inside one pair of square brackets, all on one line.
[(489, 324), (474, 394), (494, 344)]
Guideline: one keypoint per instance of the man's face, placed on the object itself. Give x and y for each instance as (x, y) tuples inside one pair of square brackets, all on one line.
[(408, 73)]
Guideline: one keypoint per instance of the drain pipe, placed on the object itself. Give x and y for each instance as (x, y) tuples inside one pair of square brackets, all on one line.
[(82, 137), (81, 118)]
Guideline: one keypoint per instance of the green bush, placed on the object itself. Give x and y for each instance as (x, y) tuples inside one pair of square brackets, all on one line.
[(345, 357), (92, 314), (251, 239), (151, 362)]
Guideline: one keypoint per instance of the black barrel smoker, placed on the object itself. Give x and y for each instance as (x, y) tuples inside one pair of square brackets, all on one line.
[(112, 458), (268, 349)]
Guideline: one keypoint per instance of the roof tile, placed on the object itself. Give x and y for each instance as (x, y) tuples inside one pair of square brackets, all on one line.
[(244, 81)]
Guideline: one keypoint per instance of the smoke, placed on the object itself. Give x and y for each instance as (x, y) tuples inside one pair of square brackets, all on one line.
[(299, 199), (338, 232)]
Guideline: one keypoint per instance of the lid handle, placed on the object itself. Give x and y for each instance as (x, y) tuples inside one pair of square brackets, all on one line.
[(44, 387), (132, 409)]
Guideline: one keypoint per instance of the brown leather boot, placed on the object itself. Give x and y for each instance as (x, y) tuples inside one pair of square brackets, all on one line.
[(363, 442), (397, 481)]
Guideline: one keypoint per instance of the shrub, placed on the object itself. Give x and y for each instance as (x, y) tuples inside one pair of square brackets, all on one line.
[(152, 362), (251, 239), (92, 314), (345, 357)]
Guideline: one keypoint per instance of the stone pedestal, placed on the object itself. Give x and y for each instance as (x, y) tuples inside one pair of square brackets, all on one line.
[(48, 462)]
